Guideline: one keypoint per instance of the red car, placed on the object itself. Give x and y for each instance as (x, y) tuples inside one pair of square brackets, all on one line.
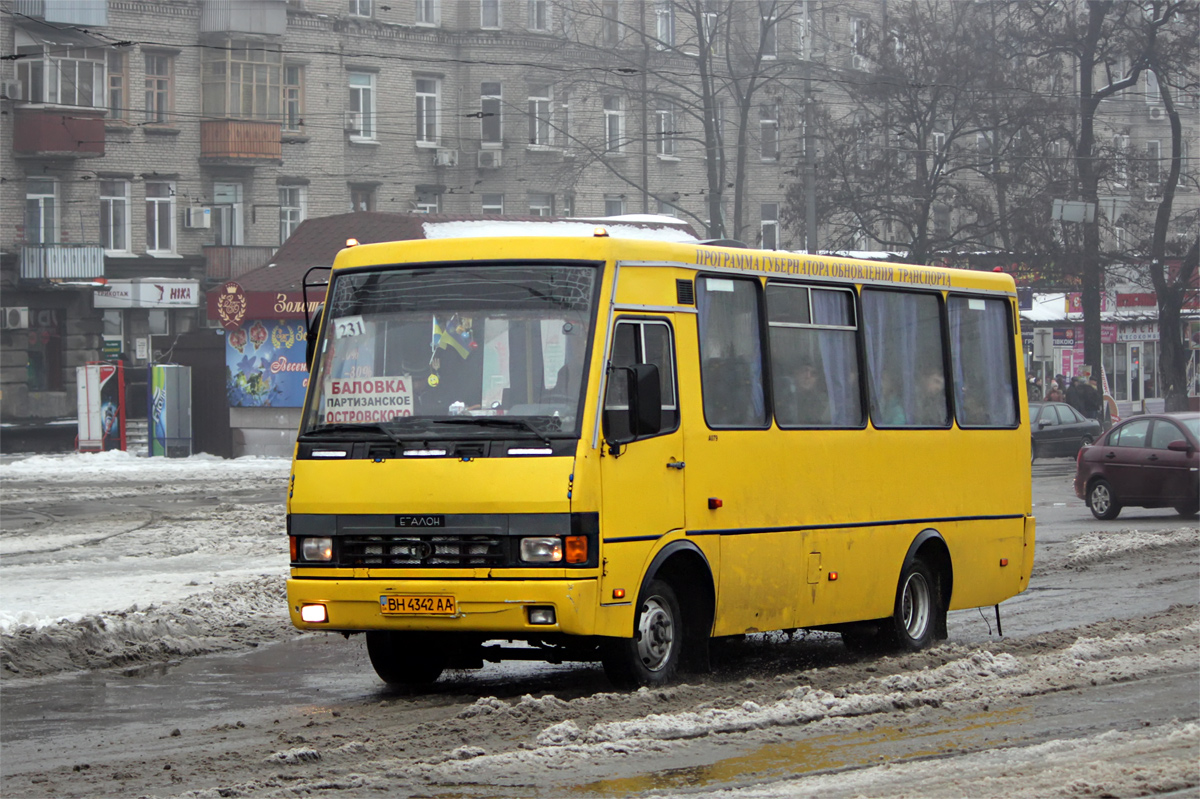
[(1150, 461)]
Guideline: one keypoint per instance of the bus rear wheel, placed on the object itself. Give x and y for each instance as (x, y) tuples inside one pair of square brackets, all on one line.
[(918, 608), (406, 658), (651, 657)]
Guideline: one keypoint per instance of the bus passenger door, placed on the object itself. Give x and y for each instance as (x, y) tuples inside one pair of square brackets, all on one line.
[(642, 484)]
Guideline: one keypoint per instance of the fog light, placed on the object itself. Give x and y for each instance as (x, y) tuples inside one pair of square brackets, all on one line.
[(314, 614), (541, 615), (318, 549), (541, 550)]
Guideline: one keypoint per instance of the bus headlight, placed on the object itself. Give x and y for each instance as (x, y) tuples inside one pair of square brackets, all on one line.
[(317, 549), (541, 550)]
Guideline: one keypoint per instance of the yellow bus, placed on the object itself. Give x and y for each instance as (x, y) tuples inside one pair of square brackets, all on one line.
[(616, 449)]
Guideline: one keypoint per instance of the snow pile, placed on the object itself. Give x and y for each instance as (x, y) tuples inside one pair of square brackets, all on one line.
[(1099, 545), (971, 681), (117, 466)]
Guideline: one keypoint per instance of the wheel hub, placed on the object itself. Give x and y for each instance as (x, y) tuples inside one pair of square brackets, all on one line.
[(656, 634), (915, 606)]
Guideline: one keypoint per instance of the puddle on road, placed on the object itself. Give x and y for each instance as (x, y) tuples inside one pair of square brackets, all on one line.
[(857, 749)]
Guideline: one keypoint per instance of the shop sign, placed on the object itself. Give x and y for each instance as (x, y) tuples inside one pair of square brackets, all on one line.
[(1145, 331), (1064, 337), (148, 292)]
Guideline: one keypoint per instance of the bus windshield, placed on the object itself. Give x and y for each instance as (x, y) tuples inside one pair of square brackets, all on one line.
[(429, 348)]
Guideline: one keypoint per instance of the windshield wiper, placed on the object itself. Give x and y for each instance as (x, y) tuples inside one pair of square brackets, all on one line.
[(498, 421), (373, 429)]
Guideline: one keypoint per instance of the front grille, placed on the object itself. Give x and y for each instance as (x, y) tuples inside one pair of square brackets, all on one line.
[(422, 550)]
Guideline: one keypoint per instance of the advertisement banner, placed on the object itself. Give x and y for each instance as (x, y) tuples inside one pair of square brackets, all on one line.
[(265, 364)]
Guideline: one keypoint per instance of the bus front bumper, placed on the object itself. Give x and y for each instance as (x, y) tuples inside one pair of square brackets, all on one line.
[(354, 605)]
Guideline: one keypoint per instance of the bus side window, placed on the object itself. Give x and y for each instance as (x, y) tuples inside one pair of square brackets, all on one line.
[(905, 368), (731, 357), (634, 342), (981, 349)]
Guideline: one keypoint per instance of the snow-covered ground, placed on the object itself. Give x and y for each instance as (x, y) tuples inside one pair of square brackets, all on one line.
[(112, 546)]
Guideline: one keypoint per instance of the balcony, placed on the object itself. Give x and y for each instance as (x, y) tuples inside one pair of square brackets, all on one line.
[(244, 142), (62, 261), (230, 263), (67, 12), (58, 132), (244, 16)]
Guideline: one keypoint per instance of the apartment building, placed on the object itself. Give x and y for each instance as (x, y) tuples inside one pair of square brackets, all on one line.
[(155, 150)]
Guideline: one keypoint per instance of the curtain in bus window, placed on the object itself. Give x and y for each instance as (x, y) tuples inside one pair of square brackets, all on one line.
[(838, 358), (904, 359), (731, 370), (980, 345)]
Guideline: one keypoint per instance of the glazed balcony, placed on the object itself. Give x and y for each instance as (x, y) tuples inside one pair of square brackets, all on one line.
[(245, 142), (58, 131)]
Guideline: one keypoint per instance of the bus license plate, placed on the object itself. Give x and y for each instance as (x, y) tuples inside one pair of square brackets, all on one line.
[(408, 605)]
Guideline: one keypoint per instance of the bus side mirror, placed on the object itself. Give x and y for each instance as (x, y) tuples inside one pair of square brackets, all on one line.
[(310, 342), (644, 416)]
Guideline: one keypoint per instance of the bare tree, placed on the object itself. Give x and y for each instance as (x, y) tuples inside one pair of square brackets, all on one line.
[(921, 156), (696, 71)]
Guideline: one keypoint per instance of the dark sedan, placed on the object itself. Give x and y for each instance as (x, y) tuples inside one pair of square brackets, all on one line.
[(1059, 430), (1150, 461)]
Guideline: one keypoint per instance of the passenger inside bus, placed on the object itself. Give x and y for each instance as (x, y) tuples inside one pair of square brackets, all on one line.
[(805, 399)]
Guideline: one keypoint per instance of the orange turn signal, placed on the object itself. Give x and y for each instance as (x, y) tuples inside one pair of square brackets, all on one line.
[(1003, 561), (576, 549), (618, 593), (832, 576)]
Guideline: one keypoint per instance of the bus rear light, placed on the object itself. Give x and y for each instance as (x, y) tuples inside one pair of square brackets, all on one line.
[(1003, 561), (577, 550), (314, 614), (714, 503)]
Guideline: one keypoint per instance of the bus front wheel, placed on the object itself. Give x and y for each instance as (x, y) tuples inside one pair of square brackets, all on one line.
[(405, 658), (918, 608), (651, 656)]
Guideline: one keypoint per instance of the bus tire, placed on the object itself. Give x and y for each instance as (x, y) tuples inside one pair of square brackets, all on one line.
[(918, 608), (405, 658), (651, 657)]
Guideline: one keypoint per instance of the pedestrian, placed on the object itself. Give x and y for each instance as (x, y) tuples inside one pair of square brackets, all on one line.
[(1054, 395), (1077, 396)]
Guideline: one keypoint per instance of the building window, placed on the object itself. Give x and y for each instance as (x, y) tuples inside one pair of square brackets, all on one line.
[(858, 43), (243, 81), (614, 124), (114, 215), (939, 144), (802, 36), (539, 115), (427, 12), (490, 105), (665, 133), (159, 82), (427, 110), (768, 24), (541, 204), (361, 119), (160, 217), (568, 205), (664, 24), (610, 22), (41, 211), (492, 204), (769, 221), (118, 86), (228, 214), (614, 205), (711, 20), (360, 8), (489, 14), (362, 197), (428, 202), (1121, 159), (45, 353), (539, 15), (293, 201), (668, 209), (564, 121), (768, 126), (1153, 162), (293, 97), (62, 75), (1152, 95)]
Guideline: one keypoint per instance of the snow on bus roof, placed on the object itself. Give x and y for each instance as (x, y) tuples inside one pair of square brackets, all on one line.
[(633, 226)]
